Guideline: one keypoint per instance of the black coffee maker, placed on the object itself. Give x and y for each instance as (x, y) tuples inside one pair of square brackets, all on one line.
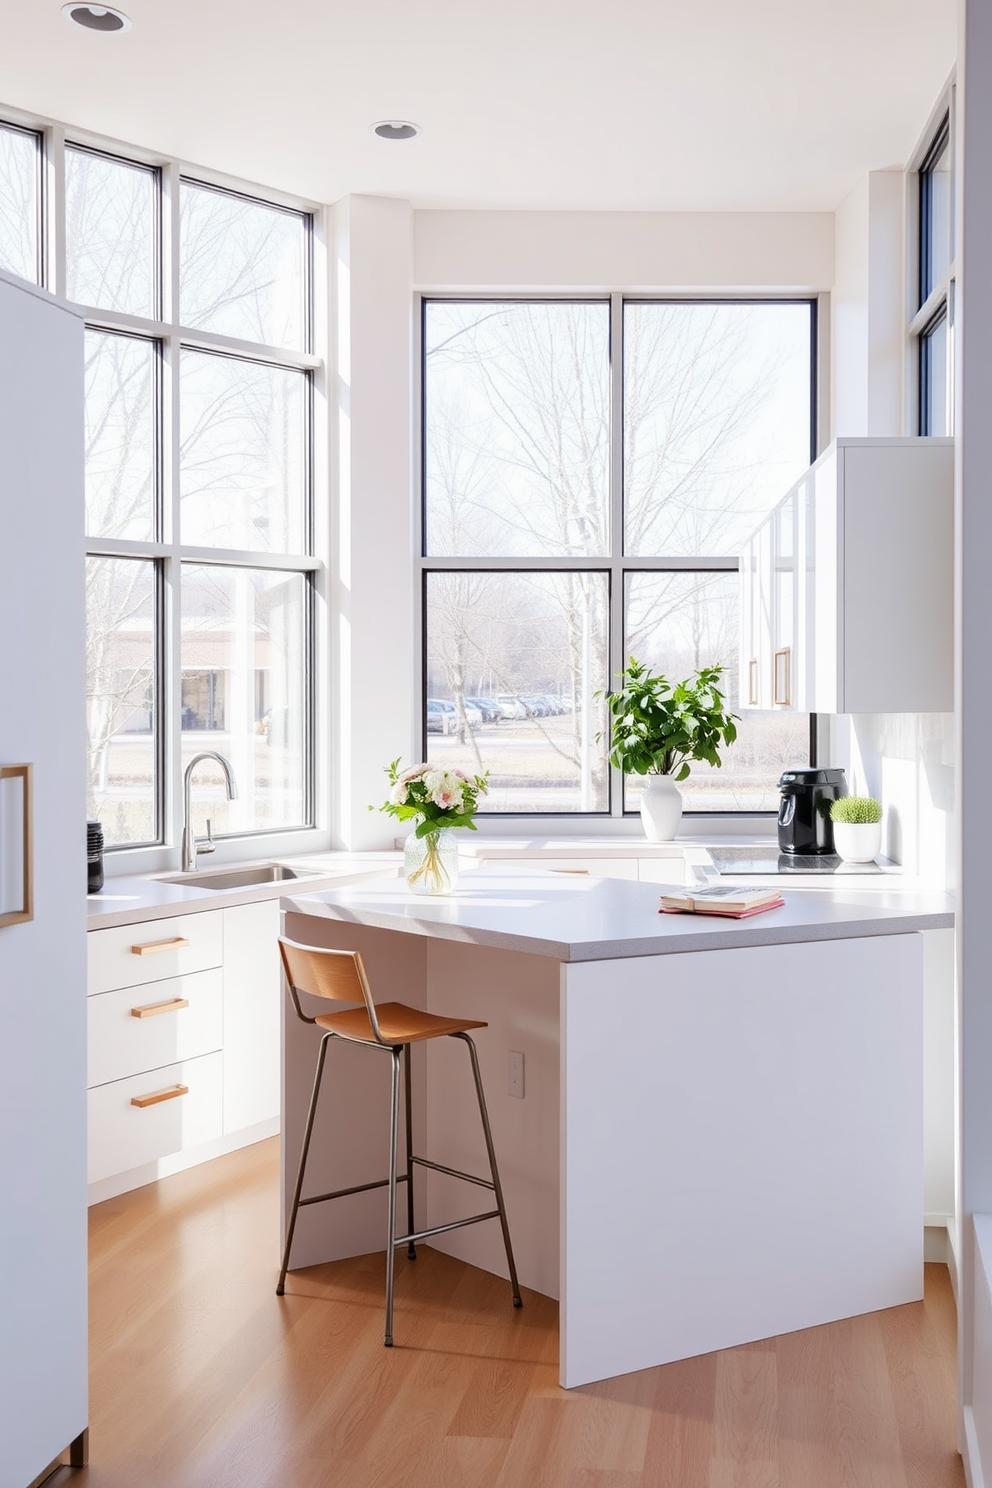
[(804, 824)]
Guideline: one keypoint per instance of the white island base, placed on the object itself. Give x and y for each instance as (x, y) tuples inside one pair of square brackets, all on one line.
[(714, 1145)]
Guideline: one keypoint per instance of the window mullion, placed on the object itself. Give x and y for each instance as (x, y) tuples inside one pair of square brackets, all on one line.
[(616, 636), (169, 514), (53, 212)]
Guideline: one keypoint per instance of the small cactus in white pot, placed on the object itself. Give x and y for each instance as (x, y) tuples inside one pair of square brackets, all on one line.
[(857, 828)]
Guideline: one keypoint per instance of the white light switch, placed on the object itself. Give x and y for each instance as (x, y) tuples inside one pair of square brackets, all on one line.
[(515, 1075)]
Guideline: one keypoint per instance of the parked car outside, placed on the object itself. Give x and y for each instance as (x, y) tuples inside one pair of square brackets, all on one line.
[(441, 717), (510, 706), (488, 707)]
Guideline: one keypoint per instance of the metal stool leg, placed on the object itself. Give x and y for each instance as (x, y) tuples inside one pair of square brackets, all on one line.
[(411, 1228), (497, 1187), (280, 1289), (394, 1123)]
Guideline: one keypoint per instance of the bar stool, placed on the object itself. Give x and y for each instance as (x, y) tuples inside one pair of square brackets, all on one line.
[(340, 977)]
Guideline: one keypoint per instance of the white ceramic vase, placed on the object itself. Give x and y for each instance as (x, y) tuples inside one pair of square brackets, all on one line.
[(858, 842), (661, 808)]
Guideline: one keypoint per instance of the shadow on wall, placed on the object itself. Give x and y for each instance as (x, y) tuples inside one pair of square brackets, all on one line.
[(907, 761)]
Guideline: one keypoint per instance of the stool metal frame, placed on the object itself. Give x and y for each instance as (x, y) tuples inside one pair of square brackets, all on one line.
[(393, 1027)]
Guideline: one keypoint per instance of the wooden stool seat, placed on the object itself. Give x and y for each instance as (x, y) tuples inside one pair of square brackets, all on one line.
[(339, 976), (398, 1024)]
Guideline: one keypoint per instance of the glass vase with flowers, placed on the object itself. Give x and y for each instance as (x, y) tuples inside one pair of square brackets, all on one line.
[(439, 801)]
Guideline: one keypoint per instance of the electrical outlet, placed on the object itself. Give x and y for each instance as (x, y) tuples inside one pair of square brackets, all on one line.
[(515, 1075)]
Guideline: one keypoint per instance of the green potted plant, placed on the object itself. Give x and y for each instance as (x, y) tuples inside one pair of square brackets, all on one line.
[(659, 728), (857, 824)]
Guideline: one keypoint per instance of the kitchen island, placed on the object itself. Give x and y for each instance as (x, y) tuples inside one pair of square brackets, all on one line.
[(720, 1132)]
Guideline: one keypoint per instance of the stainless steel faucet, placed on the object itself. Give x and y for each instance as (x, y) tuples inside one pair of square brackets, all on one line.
[(192, 844)]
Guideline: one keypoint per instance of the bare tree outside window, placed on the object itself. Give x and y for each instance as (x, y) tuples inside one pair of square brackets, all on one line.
[(121, 698), (518, 424), (243, 268), (244, 691), (677, 623), (111, 233), (243, 450), (486, 632), (236, 440), (20, 199), (121, 436)]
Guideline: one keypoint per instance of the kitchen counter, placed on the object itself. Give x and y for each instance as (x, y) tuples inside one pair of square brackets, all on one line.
[(720, 1138), (595, 919), (132, 899)]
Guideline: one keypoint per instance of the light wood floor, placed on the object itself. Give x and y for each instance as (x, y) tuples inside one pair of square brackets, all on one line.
[(202, 1378)]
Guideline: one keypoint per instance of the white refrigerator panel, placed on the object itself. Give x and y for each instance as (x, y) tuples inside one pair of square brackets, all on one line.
[(43, 1398)]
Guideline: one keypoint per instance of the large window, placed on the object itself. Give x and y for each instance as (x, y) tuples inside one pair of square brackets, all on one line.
[(591, 470), (199, 501), (20, 202), (932, 325)]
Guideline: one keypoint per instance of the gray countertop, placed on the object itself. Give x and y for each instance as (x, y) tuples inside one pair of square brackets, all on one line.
[(595, 919), (131, 900)]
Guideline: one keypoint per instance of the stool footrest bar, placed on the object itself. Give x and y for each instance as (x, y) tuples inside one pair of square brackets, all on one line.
[(442, 1229), (425, 1162), (342, 1193)]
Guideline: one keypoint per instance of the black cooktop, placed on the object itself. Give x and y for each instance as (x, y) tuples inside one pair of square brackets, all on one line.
[(735, 861)]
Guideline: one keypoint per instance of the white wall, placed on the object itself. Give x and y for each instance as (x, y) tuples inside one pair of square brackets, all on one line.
[(653, 252), (868, 308), (907, 760), (371, 590)]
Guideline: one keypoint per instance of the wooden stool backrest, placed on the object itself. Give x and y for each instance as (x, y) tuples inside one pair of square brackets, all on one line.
[(336, 975)]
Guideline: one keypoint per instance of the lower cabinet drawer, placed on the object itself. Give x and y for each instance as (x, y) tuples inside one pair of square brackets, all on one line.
[(142, 1028), (123, 1135), (154, 951)]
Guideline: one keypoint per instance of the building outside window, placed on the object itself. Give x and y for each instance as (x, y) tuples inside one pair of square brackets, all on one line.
[(591, 470), (199, 486)]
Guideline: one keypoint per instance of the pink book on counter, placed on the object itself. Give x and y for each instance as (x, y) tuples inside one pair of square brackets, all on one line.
[(727, 914)]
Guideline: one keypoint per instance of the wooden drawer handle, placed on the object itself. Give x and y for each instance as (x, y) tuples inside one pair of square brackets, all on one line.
[(575, 872), (141, 1101), (153, 946), (152, 1009)]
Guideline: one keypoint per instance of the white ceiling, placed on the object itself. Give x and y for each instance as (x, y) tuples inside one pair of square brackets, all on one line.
[(628, 105)]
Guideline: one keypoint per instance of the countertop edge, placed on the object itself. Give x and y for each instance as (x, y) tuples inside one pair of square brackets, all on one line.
[(734, 935)]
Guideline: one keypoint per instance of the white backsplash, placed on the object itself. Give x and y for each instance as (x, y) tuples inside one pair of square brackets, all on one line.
[(907, 760)]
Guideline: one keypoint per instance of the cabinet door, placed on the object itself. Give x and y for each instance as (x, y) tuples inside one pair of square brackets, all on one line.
[(757, 600), (252, 992), (138, 1120), (748, 661), (784, 567)]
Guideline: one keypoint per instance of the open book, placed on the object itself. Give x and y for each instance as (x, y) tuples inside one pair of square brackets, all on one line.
[(726, 899)]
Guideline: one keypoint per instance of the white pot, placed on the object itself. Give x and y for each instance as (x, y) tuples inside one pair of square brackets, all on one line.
[(858, 842), (661, 808)]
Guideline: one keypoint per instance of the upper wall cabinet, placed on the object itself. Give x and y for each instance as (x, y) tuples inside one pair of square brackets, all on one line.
[(847, 589)]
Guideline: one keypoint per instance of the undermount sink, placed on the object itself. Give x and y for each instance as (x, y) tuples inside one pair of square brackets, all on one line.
[(240, 878)]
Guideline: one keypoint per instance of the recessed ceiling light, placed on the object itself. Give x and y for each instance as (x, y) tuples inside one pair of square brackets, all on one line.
[(97, 17), (395, 129)]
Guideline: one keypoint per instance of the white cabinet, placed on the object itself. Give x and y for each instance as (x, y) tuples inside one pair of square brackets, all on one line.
[(847, 587), (183, 1041), (252, 994)]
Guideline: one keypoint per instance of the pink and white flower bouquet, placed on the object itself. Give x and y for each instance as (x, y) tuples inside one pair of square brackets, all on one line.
[(434, 797)]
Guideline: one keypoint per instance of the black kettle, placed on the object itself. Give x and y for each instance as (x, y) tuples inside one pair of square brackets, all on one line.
[(804, 824)]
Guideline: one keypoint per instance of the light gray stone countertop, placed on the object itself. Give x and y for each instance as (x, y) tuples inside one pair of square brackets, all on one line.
[(131, 900), (596, 919)]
